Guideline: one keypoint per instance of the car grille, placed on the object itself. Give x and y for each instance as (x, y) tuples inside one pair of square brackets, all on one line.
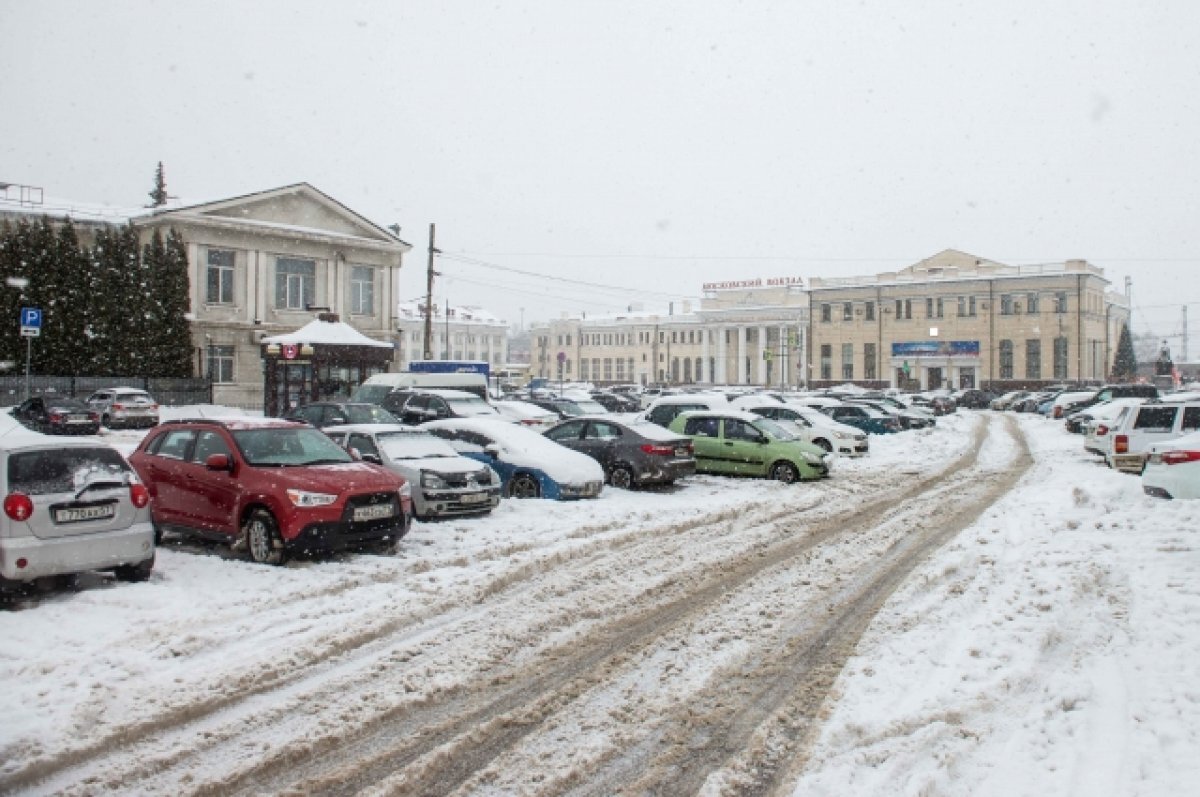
[(370, 500), (480, 478)]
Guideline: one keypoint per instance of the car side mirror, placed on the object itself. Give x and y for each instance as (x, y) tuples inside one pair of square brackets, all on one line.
[(218, 462), (374, 459)]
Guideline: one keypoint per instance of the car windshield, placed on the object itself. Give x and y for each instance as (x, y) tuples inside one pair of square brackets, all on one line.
[(289, 446), (368, 413), (64, 470), (773, 430), (591, 407), (371, 394), (409, 445), (69, 404)]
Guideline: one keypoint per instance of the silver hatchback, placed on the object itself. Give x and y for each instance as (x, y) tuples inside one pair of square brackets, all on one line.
[(70, 506)]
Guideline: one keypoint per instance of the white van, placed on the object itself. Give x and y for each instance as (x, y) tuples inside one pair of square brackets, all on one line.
[(1140, 427), (376, 388)]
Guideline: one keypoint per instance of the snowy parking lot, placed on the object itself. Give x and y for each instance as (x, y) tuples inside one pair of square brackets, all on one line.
[(980, 608)]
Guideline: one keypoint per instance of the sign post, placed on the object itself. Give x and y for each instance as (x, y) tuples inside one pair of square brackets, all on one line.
[(31, 327)]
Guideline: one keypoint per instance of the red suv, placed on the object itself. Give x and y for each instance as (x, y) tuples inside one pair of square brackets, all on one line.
[(276, 487)]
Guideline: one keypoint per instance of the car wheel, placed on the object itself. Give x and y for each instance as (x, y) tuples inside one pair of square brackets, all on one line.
[(823, 444), (262, 538), (524, 486), (621, 477), (785, 472), (139, 572)]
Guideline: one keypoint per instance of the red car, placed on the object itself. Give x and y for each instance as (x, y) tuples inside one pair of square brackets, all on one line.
[(276, 487)]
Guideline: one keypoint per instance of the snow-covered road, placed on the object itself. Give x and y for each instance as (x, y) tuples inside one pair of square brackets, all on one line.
[(723, 637)]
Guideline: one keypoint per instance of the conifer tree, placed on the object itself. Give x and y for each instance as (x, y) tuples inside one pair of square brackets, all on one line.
[(172, 291), (1125, 363), (158, 195)]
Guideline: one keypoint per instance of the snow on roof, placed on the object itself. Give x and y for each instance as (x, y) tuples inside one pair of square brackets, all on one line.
[(327, 333), (465, 313)]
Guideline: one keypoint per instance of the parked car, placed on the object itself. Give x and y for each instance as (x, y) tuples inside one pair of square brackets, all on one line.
[(664, 409), (1063, 401), (70, 506), (322, 414), (633, 453), (420, 406), (1109, 392), (974, 399), (1173, 468), (274, 487), (530, 465), (811, 426), (569, 408), (616, 402), (124, 407), (868, 419), (736, 442), (57, 415), (444, 483), (1005, 401), (909, 417), (526, 414), (1147, 425), (1099, 420)]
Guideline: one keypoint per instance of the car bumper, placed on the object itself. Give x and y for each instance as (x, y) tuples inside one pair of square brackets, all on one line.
[(450, 503), (569, 492), (340, 535), (666, 472), (62, 555), (1129, 463), (132, 421), (75, 428)]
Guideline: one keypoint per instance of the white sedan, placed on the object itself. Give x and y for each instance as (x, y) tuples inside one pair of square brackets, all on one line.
[(1173, 469)]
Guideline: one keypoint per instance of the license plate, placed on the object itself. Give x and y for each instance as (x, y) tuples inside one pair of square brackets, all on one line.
[(681, 452), (373, 512), (474, 498), (78, 419), (77, 514)]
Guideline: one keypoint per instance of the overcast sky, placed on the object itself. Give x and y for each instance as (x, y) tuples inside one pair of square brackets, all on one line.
[(646, 146)]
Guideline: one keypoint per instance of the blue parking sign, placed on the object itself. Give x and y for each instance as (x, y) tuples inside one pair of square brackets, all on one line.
[(31, 317)]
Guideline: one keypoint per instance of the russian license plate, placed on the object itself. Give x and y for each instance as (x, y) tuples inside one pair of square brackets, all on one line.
[(373, 512), (474, 498), (78, 419), (681, 452), (77, 514)]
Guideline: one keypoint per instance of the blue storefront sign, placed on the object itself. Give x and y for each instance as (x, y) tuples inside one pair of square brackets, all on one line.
[(936, 348)]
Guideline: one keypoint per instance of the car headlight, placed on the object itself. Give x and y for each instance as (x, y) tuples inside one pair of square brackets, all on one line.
[(843, 435), (812, 459), (307, 499), (432, 481)]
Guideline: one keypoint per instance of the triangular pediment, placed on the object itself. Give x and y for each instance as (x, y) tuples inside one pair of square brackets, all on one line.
[(950, 260), (295, 207)]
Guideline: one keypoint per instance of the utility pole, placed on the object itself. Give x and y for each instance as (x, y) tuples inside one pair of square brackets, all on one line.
[(429, 295)]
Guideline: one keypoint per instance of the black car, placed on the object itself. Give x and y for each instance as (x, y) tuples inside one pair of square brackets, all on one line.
[(569, 408), (334, 413), (975, 399), (632, 453), (57, 415), (616, 402)]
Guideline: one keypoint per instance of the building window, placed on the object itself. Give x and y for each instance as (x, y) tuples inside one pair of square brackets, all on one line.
[(1060, 302), (295, 283), (220, 276), (903, 309), (220, 363), (870, 311), (1060, 358), (608, 369), (362, 290), (826, 361), (620, 369), (1031, 303), (934, 308), (583, 370), (847, 311), (847, 361), (1006, 359), (826, 313), (1006, 304), (869, 361), (1033, 359)]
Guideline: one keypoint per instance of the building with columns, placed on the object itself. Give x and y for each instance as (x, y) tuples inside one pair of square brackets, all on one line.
[(952, 319), (458, 333)]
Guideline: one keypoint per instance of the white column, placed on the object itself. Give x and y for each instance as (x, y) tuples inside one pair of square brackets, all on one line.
[(784, 360), (741, 356), (703, 369), (801, 355), (762, 361), (720, 376)]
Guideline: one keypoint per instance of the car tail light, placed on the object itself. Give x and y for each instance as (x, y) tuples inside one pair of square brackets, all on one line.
[(93, 416), (661, 450), (118, 406), (56, 417), (1168, 458), (1057, 413), (530, 421), (1101, 430), (18, 506), (139, 495), (1121, 444)]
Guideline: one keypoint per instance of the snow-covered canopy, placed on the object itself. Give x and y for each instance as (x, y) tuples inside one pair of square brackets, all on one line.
[(327, 333)]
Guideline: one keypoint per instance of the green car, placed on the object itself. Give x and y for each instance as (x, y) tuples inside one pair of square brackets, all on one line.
[(741, 443)]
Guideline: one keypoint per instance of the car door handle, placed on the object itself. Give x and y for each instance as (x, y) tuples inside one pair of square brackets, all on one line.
[(728, 443)]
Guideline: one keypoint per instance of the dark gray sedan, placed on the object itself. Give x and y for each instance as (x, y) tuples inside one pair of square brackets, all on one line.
[(632, 453)]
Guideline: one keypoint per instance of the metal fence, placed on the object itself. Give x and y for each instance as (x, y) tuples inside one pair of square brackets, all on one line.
[(169, 392)]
